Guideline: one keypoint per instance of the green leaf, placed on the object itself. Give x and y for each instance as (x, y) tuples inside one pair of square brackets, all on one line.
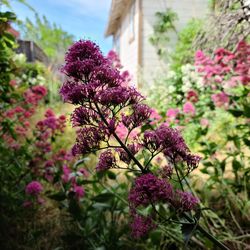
[(236, 165), (235, 112), (7, 16), (111, 175), (100, 174), (60, 196), (223, 165), (247, 111), (74, 208), (207, 163), (155, 236), (187, 231), (236, 141), (9, 37), (204, 171), (145, 127), (247, 142), (80, 162), (101, 206), (105, 197)]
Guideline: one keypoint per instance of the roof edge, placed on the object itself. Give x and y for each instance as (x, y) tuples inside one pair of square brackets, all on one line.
[(115, 14)]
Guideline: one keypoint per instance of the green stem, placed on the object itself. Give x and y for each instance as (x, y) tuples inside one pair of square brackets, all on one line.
[(208, 235), (120, 141), (176, 170)]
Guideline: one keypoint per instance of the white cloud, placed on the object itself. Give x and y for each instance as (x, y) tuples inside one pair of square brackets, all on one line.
[(94, 8)]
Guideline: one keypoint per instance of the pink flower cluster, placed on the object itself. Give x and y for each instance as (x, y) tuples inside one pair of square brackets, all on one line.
[(171, 143), (140, 114), (185, 201), (34, 188), (22, 110), (192, 96), (59, 158), (114, 59), (106, 103), (106, 161), (141, 226), (33, 191), (173, 115), (150, 190), (35, 94), (226, 70), (47, 128), (220, 99), (188, 108)]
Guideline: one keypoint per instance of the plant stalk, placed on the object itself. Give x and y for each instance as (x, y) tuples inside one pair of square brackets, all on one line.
[(208, 235)]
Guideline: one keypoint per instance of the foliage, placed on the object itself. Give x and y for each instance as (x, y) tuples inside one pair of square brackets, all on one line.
[(213, 94), (104, 105), (228, 25), (140, 194), (42, 186), (184, 50), (164, 25), (7, 3), (51, 38), (21, 144)]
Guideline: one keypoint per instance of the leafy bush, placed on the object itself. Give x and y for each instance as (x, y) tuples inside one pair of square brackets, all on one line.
[(184, 50), (209, 102), (140, 194)]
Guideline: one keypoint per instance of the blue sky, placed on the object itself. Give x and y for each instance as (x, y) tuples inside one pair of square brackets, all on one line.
[(83, 18)]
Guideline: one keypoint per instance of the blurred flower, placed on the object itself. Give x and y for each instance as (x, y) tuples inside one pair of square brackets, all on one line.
[(192, 96), (141, 226), (185, 201), (79, 192), (204, 122), (106, 161), (172, 113), (220, 99), (154, 116), (166, 171), (34, 188), (188, 108)]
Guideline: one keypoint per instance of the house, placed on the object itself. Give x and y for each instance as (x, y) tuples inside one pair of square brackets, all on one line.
[(131, 25)]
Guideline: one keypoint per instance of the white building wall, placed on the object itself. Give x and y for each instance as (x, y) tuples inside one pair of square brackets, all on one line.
[(185, 9), (128, 44)]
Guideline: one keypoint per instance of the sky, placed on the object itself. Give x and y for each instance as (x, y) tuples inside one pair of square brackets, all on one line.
[(86, 19)]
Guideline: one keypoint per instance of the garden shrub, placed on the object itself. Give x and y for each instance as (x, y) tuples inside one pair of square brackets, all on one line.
[(141, 193), (104, 102), (184, 50), (209, 102)]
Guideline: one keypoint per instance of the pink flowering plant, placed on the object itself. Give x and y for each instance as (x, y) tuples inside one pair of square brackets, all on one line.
[(209, 102), (156, 155), (40, 181), (30, 156)]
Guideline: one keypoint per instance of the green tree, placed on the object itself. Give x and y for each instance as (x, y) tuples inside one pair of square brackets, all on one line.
[(7, 2), (49, 36)]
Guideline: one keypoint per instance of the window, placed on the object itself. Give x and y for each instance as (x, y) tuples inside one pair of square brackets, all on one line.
[(132, 22)]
